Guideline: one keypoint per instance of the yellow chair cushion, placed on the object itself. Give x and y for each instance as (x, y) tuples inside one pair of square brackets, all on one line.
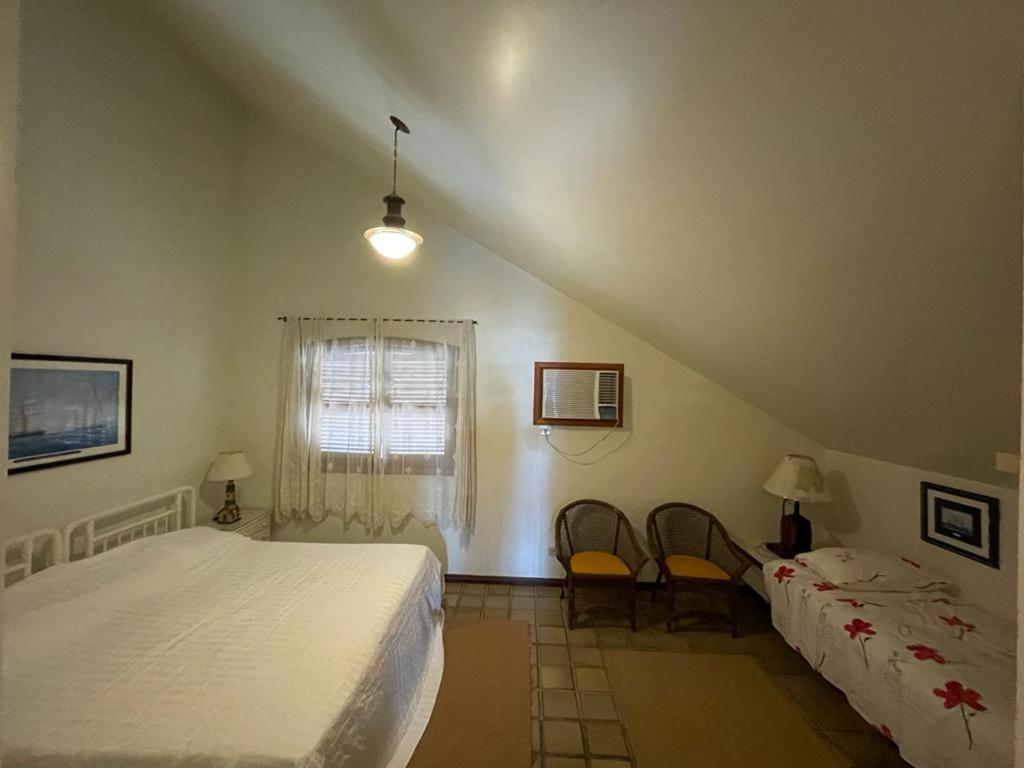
[(694, 568), (598, 563)]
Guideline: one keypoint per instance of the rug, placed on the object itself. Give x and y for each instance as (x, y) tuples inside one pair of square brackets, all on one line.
[(482, 714), (712, 711)]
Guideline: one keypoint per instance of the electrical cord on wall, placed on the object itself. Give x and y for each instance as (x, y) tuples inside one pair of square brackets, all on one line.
[(573, 457)]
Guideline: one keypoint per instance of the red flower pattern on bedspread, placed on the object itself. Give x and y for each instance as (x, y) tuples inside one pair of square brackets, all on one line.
[(783, 572), (962, 626), (858, 627), (927, 653), (860, 630), (956, 695), (824, 586)]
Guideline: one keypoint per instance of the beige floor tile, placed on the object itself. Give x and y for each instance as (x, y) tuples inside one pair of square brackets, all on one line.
[(601, 762), (551, 635), (467, 613), (597, 706), (474, 589), (582, 636), (562, 736), (555, 676), (535, 734), (471, 599), (612, 637), (495, 613), (835, 716), (564, 762), (522, 591), (535, 702), (644, 640), (549, 604), (809, 688), (589, 679), (606, 739), (550, 618), (868, 750), (548, 591), (552, 654), (560, 704), (449, 599), (496, 601), (674, 641), (498, 589), (528, 616), (452, 588), (586, 656), (520, 603)]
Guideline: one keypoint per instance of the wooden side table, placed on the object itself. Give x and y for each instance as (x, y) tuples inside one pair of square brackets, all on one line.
[(256, 524)]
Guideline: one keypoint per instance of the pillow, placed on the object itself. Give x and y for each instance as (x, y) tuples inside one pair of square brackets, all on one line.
[(870, 571)]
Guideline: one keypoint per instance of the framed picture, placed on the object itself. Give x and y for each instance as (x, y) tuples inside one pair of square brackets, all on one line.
[(67, 409), (962, 522)]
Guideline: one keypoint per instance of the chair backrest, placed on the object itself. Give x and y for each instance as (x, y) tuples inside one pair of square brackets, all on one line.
[(677, 528), (592, 525)]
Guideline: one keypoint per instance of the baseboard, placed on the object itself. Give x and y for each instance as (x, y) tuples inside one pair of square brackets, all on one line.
[(540, 581)]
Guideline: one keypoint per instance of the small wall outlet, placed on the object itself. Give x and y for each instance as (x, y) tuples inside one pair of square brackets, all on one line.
[(544, 429)]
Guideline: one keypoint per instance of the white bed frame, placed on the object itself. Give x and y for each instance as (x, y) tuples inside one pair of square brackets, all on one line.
[(99, 532)]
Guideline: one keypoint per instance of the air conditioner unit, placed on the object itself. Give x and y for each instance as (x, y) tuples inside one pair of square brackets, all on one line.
[(578, 394)]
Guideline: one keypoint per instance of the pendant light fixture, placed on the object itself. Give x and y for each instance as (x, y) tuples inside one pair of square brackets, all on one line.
[(393, 240)]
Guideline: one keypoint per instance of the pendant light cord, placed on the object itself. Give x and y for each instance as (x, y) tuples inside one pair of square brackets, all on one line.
[(394, 167)]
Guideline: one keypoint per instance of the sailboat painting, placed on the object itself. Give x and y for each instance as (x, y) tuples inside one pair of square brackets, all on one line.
[(67, 409)]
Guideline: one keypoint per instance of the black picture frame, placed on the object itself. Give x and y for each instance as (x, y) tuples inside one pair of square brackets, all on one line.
[(97, 410), (961, 521)]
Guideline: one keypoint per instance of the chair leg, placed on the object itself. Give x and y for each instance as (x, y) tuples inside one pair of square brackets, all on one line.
[(570, 593), (654, 590)]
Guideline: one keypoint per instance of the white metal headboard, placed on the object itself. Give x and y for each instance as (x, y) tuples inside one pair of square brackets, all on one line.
[(31, 552), (163, 513)]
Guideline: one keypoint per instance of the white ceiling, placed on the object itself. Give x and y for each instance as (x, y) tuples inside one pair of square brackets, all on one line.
[(816, 205)]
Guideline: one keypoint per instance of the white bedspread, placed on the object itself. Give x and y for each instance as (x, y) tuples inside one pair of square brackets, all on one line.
[(934, 675), (203, 648)]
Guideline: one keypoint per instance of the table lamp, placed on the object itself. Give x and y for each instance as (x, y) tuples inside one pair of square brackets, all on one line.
[(228, 466), (796, 479)]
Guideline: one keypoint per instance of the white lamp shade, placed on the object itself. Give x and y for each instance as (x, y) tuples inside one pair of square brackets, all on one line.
[(798, 478), (229, 465)]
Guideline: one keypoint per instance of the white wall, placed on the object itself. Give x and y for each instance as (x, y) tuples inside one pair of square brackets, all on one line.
[(877, 505), (303, 213), (10, 29), (126, 171)]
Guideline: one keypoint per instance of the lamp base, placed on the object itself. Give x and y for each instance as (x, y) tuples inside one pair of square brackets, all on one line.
[(230, 512), (794, 534)]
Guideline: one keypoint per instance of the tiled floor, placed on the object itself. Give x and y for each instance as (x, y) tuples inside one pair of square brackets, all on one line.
[(576, 722)]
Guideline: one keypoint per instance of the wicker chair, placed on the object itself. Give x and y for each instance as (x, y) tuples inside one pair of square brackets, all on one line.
[(695, 556), (596, 545)]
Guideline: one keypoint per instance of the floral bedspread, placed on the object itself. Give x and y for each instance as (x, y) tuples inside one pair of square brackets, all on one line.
[(934, 675)]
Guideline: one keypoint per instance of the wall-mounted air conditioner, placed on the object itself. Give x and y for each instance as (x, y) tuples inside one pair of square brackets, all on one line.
[(578, 394)]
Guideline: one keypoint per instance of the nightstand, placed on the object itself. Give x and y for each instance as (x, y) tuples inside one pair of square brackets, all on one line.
[(254, 524)]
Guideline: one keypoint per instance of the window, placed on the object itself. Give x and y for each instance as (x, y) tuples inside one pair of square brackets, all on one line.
[(407, 420)]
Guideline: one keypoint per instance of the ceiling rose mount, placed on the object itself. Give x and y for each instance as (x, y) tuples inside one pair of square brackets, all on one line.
[(394, 240)]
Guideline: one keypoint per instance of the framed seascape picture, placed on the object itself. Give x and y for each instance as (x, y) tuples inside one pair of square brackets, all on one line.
[(962, 522), (67, 409)]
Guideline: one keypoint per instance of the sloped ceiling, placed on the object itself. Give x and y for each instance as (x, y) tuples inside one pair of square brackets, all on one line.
[(816, 205)]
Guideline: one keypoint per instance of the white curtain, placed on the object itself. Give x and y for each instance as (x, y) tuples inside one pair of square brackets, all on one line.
[(378, 422)]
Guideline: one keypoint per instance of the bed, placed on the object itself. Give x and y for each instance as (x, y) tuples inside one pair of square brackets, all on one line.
[(203, 648), (931, 673)]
